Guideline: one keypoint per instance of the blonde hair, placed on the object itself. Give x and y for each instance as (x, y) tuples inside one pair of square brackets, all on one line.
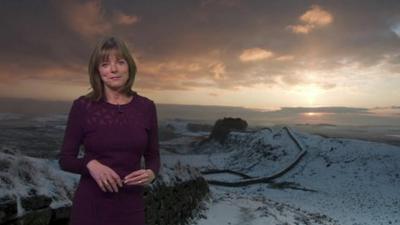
[(101, 52)]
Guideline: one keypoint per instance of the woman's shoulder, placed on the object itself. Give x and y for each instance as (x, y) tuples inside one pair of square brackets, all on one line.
[(82, 102), (147, 104), (143, 100)]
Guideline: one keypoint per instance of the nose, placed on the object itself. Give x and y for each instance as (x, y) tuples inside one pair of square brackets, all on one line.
[(113, 67)]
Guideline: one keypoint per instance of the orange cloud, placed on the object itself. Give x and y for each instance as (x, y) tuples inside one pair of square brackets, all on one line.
[(218, 71), (123, 19), (43, 70), (316, 17), (285, 58), (255, 54), (168, 67), (301, 29), (182, 74), (86, 18)]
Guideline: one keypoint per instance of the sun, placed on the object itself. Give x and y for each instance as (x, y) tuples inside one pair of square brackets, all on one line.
[(309, 94)]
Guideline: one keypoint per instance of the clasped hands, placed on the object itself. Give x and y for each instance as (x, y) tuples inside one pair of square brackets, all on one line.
[(108, 180)]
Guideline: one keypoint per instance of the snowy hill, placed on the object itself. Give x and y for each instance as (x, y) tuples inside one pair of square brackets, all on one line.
[(351, 181), (22, 176), (37, 189)]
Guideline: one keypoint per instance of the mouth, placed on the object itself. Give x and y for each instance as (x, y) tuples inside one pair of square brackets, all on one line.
[(115, 78)]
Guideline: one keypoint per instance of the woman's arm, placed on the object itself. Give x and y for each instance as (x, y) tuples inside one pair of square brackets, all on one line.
[(73, 138), (152, 153)]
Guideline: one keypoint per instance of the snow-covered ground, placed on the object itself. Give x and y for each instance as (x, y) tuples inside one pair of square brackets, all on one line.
[(23, 176), (339, 181)]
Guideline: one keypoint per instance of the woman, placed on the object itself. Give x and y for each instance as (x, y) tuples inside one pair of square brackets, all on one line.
[(117, 127)]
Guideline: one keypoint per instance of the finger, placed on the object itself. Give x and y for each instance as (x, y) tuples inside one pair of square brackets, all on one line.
[(141, 176), (134, 179), (104, 184), (145, 182), (111, 183), (107, 185), (131, 175), (102, 187), (103, 177), (114, 185), (134, 174), (130, 182), (100, 184), (150, 173), (116, 178), (117, 181), (137, 180)]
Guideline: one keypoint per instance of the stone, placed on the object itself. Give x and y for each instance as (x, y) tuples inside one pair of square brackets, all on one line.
[(224, 126)]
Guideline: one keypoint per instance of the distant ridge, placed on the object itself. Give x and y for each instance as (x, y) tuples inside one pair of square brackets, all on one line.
[(33, 106), (329, 115)]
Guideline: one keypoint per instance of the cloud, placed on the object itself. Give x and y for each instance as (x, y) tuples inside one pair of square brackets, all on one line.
[(218, 71), (315, 17), (124, 19), (229, 3), (255, 54), (44, 70), (386, 111), (327, 86), (301, 29), (85, 18), (172, 70), (396, 29), (174, 74), (285, 58), (59, 37), (335, 110)]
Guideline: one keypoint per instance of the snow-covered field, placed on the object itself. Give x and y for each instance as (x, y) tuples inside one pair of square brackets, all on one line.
[(338, 181), (23, 176)]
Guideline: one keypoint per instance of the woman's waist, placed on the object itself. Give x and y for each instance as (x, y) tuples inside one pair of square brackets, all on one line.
[(129, 196), (90, 182), (122, 166)]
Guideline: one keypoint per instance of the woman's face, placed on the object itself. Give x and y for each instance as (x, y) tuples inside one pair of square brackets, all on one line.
[(114, 72)]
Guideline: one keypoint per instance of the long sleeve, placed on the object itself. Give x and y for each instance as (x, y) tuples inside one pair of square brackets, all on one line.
[(73, 138), (152, 153)]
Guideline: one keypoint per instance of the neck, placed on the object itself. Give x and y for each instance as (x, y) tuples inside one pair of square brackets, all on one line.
[(114, 96)]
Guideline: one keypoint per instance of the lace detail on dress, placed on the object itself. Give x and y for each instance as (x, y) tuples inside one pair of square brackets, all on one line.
[(105, 114), (108, 117)]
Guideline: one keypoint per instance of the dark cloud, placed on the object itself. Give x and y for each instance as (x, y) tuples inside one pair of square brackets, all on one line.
[(181, 45)]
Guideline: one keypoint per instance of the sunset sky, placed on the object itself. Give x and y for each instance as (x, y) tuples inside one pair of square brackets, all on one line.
[(254, 54)]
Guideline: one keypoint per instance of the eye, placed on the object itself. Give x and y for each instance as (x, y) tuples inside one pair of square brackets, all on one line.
[(122, 61)]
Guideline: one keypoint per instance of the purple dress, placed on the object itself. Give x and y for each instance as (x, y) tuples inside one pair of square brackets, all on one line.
[(117, 136)]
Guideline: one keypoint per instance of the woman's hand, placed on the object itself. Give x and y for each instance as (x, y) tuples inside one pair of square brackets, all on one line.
[(140, 177), (105, 177)]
